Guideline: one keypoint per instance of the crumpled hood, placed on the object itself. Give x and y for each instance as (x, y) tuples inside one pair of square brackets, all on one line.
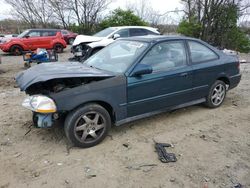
[(48, 71), (102, 43), (85, 38)]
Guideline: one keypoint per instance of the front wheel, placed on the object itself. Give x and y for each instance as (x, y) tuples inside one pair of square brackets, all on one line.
[(87, 126), (16, 50), (217, 94), (58, 48)]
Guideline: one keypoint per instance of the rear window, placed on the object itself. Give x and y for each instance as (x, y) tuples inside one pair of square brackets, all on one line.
[(138, 32), (201, 53), (48, 33)]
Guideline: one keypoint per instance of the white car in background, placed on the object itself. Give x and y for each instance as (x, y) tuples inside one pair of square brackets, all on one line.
[(84, 45), (3, 38)]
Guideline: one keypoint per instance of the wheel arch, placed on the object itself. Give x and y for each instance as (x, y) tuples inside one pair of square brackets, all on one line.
[(18, 45), (104, 104), (224, 79)]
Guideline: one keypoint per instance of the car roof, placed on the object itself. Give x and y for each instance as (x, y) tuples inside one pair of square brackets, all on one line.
[(139, 27), (158, 38), (44, 29)]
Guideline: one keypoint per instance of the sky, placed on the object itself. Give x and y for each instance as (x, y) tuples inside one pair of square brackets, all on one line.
[(161, 6)]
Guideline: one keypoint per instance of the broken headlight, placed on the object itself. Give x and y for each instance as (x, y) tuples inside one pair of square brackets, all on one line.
[(40, 104)]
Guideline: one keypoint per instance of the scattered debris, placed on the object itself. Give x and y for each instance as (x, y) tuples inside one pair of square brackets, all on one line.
[(66, 181), (91, 176), (205, 185), (125, 145), (17, 155), (36, 174), (228, 166), (59, 164), (172, 179), (243, 61), (162, 153), (203, 137), (238, 185), (89, 173), (139, 167), (29, 129), (206, 179)]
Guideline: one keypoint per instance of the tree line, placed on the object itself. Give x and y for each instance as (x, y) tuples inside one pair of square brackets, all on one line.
[(214, 21)]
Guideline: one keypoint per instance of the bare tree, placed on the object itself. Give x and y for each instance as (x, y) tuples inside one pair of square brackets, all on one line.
[(32, 11), (144, 10), (87, 12), (61, 11)]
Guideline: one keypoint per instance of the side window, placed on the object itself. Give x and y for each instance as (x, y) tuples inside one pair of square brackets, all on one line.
[(138, 32), (200, 52), (123, 33), (44, 33), (166, 56), (34, 34), (64, 32), (52, 33), (151, 33)]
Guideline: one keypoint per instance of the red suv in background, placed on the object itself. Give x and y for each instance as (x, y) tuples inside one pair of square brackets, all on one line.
[(69, 36), (32, 39)]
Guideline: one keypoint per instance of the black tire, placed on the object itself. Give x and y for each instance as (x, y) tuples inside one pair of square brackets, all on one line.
[(58, 48), (16, 50), (84, 118), (71, 41), (213, 95)]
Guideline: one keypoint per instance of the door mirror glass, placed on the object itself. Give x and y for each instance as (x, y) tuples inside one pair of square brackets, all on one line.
[(142, 69), (116, 36), (27, 36)]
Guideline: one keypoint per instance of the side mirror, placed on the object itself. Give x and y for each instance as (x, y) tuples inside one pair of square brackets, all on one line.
[(116, 36), (141, 69), (27, 36)]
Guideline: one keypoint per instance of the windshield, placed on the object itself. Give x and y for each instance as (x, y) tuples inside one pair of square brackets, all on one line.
[(23, 34), (105, 32), (118, 56)]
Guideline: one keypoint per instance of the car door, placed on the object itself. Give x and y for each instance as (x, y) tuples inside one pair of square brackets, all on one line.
[(46, 38), (206, 66), (32, 40), (169, 84), (123, 33)]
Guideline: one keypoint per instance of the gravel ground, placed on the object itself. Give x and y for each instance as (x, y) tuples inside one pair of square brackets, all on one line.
[(212, 146)]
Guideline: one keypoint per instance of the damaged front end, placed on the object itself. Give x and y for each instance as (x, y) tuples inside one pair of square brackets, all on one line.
[(80, 52), (43, 109), (42, 81)]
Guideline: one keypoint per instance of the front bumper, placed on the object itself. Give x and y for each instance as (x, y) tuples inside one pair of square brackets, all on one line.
[(4, 48), (43, 120)]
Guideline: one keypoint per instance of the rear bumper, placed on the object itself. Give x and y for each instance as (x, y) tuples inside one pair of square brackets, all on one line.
[(234, 81)]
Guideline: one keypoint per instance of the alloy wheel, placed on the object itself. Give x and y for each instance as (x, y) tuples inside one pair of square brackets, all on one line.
[(218, 94), (89, 127)]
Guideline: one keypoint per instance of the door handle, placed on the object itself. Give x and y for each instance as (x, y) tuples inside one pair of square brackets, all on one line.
[(185, 74)]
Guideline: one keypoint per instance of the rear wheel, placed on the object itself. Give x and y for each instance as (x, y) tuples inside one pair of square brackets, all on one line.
[(58, 48), (16, 50), (71, 41), (216, 94), (87, 126)]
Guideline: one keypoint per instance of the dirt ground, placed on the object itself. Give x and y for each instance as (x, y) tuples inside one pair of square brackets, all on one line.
[(212, 146)]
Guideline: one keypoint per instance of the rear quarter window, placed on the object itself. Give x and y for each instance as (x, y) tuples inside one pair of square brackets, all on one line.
[(200, 53)]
